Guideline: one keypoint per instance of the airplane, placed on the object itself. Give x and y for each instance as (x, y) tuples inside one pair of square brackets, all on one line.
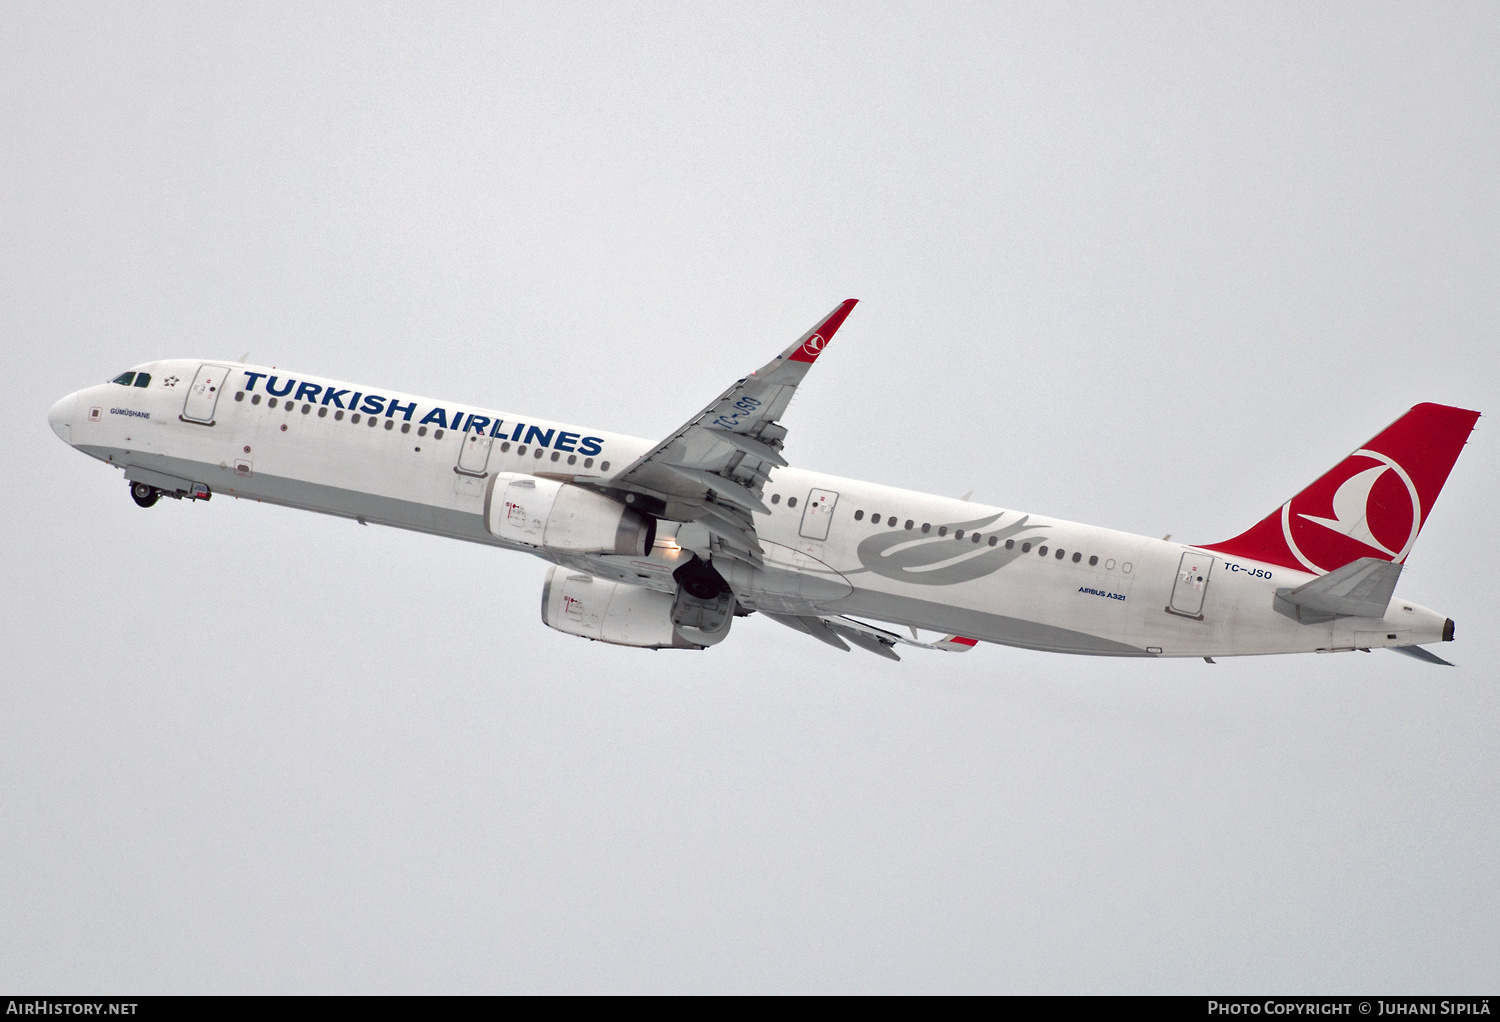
[(663, 544)]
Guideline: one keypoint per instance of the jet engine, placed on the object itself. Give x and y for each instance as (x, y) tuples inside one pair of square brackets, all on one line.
[(562, 517), (616, 612)]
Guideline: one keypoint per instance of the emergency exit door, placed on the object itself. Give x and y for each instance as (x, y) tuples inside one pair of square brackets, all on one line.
[(203, 395), (474, 454), (819, 514), (1191, 585)]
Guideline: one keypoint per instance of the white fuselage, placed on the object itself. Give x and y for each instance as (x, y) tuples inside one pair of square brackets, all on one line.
[(1109, 593)]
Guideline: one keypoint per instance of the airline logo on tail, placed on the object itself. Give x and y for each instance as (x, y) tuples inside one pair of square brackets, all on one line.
[(1375, 506), (1372, 504)]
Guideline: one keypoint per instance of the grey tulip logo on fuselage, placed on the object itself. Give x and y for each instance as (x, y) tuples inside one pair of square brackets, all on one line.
[(933, 560)]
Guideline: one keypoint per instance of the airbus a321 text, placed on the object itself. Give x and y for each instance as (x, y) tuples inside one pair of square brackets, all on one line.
[(664, 544)]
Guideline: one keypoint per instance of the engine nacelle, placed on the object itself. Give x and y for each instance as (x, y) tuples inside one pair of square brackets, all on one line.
[(595, 608), (563, 517)]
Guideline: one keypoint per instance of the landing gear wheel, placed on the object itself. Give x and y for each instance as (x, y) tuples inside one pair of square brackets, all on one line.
[(143, 494), (700, 579)]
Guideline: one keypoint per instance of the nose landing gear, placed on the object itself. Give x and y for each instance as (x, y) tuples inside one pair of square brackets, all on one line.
[(145, 494)]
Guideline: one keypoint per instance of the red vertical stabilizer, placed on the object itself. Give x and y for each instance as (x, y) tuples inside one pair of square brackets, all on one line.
[(1371, 504)]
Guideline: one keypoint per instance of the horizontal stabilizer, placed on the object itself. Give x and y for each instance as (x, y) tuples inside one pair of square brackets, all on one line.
[(1360, 588), (1418, 653)]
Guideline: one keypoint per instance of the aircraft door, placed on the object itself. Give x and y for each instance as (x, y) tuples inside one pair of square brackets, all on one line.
[(1191, 585), (474, 454), (818, 514), (203, 395)]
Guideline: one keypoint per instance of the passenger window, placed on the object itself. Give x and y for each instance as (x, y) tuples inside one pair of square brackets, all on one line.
[(338, 416), (604, 467), (555, 455), (994, 540), (389, 423), (1093, 560), (1025, 547), (406, 427), (909, 524), (859, 516), (272, 402), (958, 534), (1041, 551), (1125, 567), (1061, 553), (353, 418), (240, 396), (775, 498), (1010, 544), (422, 431), (374, 421), (521, 451), (323, 412), (1109, 565), (875, 519), (505, 447), (255, 399), (437, 434), (1077, 557), (124, 379), (891, 520), (143, 379), (572, 459), (926, 526), (791, 502), (538, 453), (942, 530), (306, 409), (976, 537), (588, 462)]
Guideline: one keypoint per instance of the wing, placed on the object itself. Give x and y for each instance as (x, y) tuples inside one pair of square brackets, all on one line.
[(713, 469), (838, 631)]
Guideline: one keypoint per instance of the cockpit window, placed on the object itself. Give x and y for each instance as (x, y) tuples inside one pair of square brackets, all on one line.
[(143, 379), (124, 379)]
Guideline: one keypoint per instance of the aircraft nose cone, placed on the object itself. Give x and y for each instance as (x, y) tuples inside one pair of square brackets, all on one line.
[(60, 419)]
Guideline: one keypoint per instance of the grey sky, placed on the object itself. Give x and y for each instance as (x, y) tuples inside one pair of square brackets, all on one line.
[(1153, 267)]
